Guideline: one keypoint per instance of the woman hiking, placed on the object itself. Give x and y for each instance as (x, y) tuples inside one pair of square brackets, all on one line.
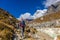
[(22, 25)]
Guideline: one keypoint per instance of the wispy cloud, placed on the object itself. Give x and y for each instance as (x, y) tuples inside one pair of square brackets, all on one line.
[(48, 3), (37, 14)]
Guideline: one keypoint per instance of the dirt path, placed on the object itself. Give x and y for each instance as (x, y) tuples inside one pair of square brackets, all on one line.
[(39, 36)]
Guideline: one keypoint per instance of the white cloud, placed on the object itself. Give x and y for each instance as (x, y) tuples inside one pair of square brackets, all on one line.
[(25, 16), (37, 14), (50, 2)]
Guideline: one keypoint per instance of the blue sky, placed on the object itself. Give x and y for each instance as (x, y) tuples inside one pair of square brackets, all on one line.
[(26, 8), (18, 7)]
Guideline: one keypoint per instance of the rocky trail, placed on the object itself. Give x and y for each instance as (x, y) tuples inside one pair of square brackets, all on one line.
[(39, 35)]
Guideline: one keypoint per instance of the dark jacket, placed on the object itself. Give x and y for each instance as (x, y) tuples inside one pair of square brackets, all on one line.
[(22, 23)]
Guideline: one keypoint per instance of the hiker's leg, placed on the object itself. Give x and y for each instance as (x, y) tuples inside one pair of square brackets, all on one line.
[(23, 31)]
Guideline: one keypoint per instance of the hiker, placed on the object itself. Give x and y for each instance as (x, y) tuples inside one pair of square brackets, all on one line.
[(22, 25)]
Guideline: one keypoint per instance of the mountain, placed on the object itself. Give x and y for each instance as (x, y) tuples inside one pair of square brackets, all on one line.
[(7, 25), (50, 19), (53, 8)]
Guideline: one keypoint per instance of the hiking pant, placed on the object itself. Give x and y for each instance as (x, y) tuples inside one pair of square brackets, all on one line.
[(23, 30)]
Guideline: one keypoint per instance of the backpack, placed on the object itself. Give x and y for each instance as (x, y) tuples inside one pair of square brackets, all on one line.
[(22, 24)]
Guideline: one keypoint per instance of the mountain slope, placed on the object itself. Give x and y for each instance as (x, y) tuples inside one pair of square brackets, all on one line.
[(7, 25)]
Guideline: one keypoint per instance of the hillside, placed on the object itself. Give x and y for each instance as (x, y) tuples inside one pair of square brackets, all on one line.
[(6, 17), (7, 25)]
